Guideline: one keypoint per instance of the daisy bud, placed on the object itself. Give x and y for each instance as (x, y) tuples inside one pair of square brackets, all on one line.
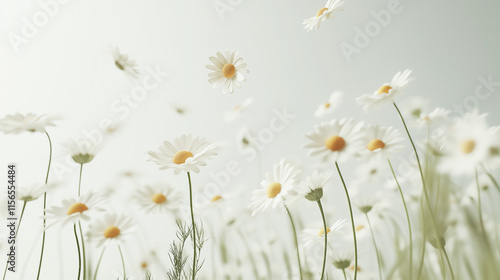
[(315, 195)]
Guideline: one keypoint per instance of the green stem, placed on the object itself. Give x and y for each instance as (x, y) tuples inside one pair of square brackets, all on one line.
[(15, 236), (250, 255), (325, 233), (352, 224), (193, 225), (449, 263), (268, 265), (295, 239), (407, 217), (45, 206), (438, 239), (123, 262), (479, 206), (79, 257), (83, 250), (80, 178), (99, 263), (491, 178), (376, 248), (345, 276)]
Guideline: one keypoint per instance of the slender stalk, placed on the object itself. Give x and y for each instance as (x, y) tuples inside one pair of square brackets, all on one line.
[(83, 250), (80, 179), (79, 257), (424, 186), (343, 271), (325, 233), (352, 224), (15, 236), (99, 263), (479, 207), (45, 205), (375, 245), (123, 262), (250, 255), (268, 265), (449, 263), (491, 178), (407, 218), (193, 225), (295, 240)]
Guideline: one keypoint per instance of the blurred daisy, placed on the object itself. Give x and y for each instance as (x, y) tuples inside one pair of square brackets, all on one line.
[(341, 260), (380, 143), (467, 144), (313, 236), (335, 140), (227, 71), (414, 106), (110, 229), (323, 14), (159, 197), (274, 188), (387, 92), (81, 151), (438, 114), (123, 63), (330, 106), (34, 192), (74, 210), (17, 123), (493, 159), (245, 138), (184, 154), (230, 116), (180, 109)]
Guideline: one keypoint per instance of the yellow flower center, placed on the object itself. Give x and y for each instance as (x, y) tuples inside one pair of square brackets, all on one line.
[(384, 89), (327, 105), (77, 207), (228, 70), (358, 228), (111, 232), (322, 231), (236, 108), (180, 157), (144, 265), (352, 268), (273, 190), (320, 12), (468, 146), (375, 144), (215, 198), (335, 143), (159, 198)]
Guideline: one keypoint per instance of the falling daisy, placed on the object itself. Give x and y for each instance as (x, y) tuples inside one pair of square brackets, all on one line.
[(324, 14), (17, 123), (330, 106), (228, 71), (123, 63)]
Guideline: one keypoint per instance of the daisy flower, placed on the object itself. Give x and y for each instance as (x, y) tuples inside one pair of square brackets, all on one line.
[(74, 210), (335, 140), (387, 92), (312, 187), (438, 114), (245, 138), (274, 188), (123, 63), (467, 144), (227, 71), (341, 260), (159, 197), (184, 154), (317, 236), (380, 142), (323, 14), (81, 151), (34, 192), (230, 116), (17, 123), (330, 106), (110, 229), (414, 106)]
